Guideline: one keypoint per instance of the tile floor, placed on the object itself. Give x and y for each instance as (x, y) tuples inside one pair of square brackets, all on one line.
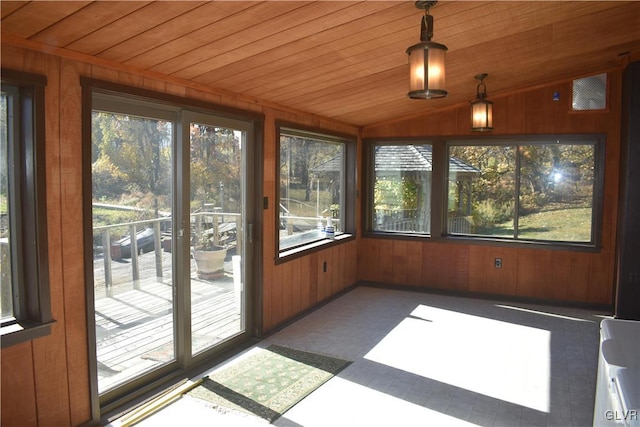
[(431, 360)]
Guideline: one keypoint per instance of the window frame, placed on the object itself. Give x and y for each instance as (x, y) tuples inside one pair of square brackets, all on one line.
[(349, 185), (596, 197), (439, 200), (370, 179), (29, 243), (130, 100)]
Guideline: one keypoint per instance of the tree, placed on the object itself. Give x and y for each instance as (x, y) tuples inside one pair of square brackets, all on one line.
[(138, 148), (215, 166), (299, 156)]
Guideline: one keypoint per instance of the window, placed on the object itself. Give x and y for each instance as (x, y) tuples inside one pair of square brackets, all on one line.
[(536, 191), (315, 191), (402, 188), (24, 280)]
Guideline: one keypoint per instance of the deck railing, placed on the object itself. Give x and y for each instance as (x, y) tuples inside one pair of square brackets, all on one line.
[(407, 221), (305, 223), (199, 221)]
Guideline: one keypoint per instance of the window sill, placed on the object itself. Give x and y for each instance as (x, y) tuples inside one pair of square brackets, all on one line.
[(486, 241), (297, 252), (20, 332)]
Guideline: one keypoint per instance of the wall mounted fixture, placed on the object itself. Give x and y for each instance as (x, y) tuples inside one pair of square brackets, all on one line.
[(481, 108), (426, 61)]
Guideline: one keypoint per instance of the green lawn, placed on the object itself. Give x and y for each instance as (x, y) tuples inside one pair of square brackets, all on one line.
[(308, 208), (570, 224)]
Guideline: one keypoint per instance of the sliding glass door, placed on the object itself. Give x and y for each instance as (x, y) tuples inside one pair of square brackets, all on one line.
[(217, 222), (169, 216), (132, 204)]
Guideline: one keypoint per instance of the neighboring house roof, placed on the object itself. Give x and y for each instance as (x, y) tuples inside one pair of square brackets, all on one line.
[(333, 165), (414, 158), (401, 158)]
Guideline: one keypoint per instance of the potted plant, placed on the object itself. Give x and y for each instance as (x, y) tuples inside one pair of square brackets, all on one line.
[(209, 258)]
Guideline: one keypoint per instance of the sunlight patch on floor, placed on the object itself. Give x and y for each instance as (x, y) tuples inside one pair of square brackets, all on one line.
[(348, 403), (506, 361)]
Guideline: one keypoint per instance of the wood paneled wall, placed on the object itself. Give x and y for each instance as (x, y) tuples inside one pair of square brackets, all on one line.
[(296, 285), (46, 382), (562, 275)]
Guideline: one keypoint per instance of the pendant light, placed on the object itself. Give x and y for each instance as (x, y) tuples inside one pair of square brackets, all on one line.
[(426, 61), (481, 108)]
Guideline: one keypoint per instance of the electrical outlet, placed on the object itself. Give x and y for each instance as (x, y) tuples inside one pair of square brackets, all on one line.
[(498, 262)]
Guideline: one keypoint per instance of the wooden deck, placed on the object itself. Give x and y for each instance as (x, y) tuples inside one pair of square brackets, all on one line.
[(134, 326)]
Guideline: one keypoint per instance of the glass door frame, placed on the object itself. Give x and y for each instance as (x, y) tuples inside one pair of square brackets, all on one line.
[(183, 268), (185, 365)]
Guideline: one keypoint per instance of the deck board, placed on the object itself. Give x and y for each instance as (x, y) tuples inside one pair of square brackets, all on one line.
[(134, 326)]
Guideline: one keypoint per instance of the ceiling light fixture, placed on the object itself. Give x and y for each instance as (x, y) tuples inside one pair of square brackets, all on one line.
[(426, 61), (481, 108)]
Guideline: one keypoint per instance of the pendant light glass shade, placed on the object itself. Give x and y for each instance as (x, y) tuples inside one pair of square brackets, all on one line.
[(481, 108), (427, 68), (427, 61)]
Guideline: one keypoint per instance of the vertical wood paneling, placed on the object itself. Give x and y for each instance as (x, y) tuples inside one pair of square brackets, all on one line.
[(323, 278), (276, 296), (130, 79), (12, 57), (367, 251), (534, 113), (176, 90), (500, 121), (340, 258), (333, 271), (268, 218), (353, 266), (103, 73), (384, 261), (533, 272), (305, 284), (332, 268), (513, 113), (72, 241), (296, 286), (337, 275), (453, 267), (313, 279), (429, 265), (19, 407), (561, 277), (287, 291), (337, 281), (156, 86), (350, 267), (601, 283), (414, 263), (484, 277), (49, 353), (398, 257), (578, 285)]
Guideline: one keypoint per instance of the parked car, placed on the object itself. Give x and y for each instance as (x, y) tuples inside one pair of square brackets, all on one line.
[(122, 248)]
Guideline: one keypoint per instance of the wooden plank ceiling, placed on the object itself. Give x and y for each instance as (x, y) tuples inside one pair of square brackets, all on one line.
[(343, 60)]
